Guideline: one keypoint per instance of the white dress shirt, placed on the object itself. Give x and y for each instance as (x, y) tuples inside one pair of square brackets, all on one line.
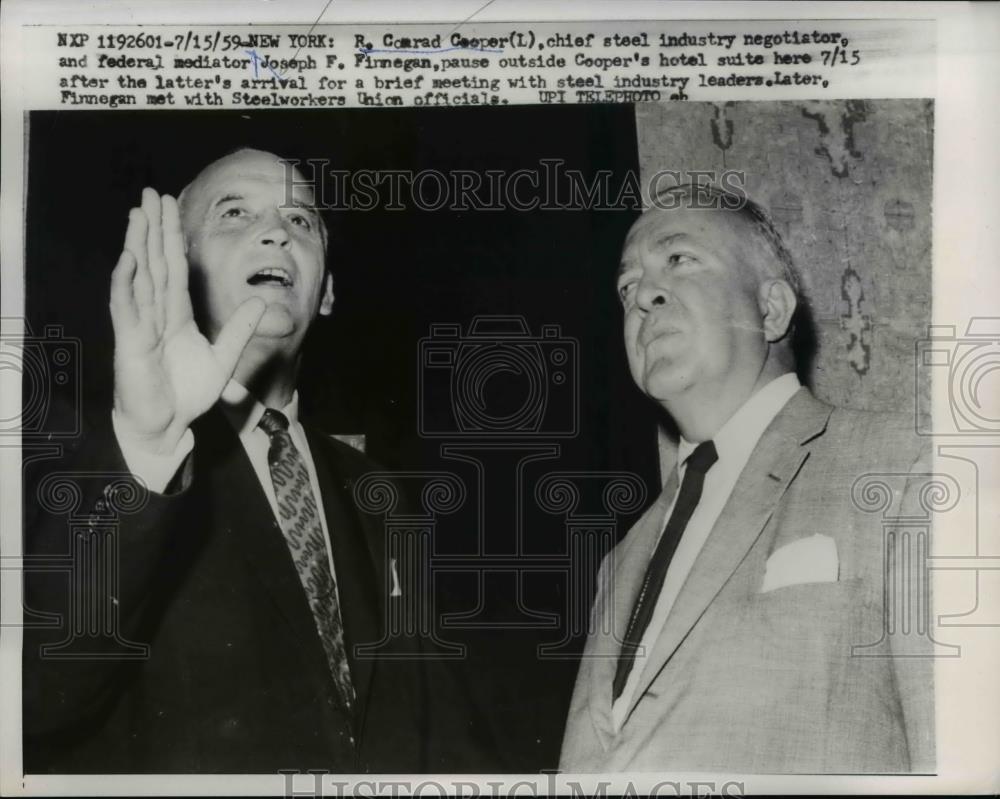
[(734, 444), (243, 412)]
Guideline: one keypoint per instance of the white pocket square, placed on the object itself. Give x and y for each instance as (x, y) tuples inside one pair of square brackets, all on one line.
[(809, 560)]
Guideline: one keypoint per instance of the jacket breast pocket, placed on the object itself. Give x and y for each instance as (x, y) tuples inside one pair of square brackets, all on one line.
[(811, 620)]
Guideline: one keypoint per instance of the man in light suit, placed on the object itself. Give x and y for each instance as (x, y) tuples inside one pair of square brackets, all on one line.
[(249, 572), (724, 627)]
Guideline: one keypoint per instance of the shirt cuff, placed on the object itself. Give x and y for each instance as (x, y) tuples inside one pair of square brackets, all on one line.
[(156, 471)]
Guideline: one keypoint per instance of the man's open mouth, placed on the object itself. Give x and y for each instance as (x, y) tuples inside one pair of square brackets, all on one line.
[(271, 276)]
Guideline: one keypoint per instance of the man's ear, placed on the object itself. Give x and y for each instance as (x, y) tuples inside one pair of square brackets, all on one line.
[(326, 303), (777, 307)]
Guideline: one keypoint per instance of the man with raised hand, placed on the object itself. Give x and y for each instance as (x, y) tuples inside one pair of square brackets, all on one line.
[(249, 572), (742, 624)]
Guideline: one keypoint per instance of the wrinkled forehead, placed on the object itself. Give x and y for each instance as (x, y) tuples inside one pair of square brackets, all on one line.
[(718, 234), (703, 223), (659, 227), (245, 171)]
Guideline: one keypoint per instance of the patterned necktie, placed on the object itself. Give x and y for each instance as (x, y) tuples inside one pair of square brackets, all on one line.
[(303, 532), (698, 463)]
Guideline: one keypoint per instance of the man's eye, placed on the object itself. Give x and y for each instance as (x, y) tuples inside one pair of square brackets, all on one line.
[(301, 220), (625, 291), (232, 213), (678, 258)]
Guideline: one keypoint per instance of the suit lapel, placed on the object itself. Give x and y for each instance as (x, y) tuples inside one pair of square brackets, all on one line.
[(774, 464), (246, 516), (359, 568), (623, 578)]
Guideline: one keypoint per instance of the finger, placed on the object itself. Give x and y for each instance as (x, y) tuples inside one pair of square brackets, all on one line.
[(154, 241), (124, 314), (142, 291), (135, 236), (135, 242), (237, 332), (178, 299)]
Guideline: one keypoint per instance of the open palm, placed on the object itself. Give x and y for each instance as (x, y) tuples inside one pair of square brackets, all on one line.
[(167, 373)]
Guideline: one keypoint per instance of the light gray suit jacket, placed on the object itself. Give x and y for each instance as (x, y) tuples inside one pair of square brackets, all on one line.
[(741, 680)]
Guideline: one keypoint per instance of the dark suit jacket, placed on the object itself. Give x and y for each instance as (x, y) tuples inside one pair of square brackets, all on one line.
[(235, 680)]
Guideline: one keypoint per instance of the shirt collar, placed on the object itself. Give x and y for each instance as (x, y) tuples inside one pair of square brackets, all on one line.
[(243, 410), (740, 434)]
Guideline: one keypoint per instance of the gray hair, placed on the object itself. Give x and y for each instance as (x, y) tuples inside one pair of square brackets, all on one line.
[(705, 196)]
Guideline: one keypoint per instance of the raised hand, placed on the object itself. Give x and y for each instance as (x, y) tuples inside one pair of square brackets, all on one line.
[(167, 373)]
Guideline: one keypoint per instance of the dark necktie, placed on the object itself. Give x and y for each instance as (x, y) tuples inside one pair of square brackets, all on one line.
[(303, 532), (698, 463)]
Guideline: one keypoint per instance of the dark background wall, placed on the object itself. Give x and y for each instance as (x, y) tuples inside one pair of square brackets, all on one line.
[(397, 273)]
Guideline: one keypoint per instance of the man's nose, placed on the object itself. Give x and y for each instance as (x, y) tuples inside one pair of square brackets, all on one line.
[(651, 294), (273, 232)]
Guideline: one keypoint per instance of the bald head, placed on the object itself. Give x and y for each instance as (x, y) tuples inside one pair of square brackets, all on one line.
[(246, 163), (251, 229)]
